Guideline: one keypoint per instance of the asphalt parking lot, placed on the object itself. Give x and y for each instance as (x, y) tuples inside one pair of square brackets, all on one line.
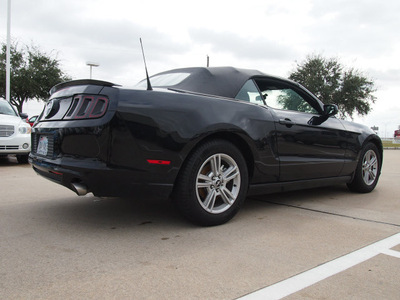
[(324, 243)]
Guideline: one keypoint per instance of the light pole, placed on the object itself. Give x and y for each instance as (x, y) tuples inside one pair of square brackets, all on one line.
[(8, 58), (91, 64)]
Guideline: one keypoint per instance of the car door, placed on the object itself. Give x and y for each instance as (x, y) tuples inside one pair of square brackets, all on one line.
[(309, 146)]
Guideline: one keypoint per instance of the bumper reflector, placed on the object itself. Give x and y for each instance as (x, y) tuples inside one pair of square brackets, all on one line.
[(158, 162), (55, 172)]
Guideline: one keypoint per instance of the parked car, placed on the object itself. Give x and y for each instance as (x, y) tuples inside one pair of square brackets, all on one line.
[(15, 133), (32, 120), (206, 137)]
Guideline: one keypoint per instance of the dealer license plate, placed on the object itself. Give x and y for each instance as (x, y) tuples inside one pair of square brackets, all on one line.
[(43, 145)]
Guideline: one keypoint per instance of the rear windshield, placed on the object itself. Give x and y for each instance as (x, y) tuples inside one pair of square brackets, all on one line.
[(164, 80)]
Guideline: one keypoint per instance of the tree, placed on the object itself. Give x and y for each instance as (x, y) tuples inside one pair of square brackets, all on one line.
[(33, 73), (332, 83)]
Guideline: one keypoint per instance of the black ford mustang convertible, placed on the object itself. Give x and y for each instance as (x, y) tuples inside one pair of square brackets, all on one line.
[(205, 137)]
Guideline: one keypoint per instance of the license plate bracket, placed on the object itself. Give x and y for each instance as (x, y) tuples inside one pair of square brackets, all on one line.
[(43, 145)]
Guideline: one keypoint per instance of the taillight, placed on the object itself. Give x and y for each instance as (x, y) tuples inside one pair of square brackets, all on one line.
[(87, 107)]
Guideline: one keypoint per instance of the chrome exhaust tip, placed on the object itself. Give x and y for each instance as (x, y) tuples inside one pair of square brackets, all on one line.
[(79, 188)]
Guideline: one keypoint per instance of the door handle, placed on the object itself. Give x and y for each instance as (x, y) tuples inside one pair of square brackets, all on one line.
[(287, 122)]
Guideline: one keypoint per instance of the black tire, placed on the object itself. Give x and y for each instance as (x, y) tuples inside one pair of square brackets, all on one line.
[(212, 184), (22, 159), (368, 170)]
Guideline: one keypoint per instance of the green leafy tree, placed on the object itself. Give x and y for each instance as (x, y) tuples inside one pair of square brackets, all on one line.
[(33, 73), (332, 83)]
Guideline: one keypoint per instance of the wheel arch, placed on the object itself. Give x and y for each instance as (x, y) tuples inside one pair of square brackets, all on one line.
[(365, 172), (234, 138), (197, 200), (378, 143)]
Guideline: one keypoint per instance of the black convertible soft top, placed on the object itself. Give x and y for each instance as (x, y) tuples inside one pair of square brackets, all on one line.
[(219, 81)]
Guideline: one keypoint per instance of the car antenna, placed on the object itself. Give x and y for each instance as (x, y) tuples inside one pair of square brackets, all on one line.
[(149, 88)]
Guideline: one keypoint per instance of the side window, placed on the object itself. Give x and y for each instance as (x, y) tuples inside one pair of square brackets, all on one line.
[(281, 96), (250, 93), (287, 99)]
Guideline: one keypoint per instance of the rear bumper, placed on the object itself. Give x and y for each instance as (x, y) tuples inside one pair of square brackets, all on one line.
[(88, 175)]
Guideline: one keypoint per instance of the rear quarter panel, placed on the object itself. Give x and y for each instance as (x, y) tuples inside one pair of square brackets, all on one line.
[(169, 125)]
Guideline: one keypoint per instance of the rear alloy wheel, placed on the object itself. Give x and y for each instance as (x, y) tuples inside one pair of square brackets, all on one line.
[(213, 184), (218, 183), (368, 170)]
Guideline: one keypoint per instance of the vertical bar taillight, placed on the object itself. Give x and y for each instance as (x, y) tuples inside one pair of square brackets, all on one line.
[(87, 107)]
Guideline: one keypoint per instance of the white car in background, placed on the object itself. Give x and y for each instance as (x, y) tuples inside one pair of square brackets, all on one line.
[(15, 133)]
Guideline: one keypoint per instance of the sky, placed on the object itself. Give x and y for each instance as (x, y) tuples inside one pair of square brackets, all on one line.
[(268, 35)]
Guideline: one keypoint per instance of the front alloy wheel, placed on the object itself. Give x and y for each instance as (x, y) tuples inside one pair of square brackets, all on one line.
[(368, 170), (370, 167)]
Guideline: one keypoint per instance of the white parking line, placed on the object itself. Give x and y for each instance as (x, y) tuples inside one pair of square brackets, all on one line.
[(391, 253), (310, 277)]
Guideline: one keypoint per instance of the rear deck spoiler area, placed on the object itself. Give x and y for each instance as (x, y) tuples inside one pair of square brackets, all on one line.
[(65, 84)]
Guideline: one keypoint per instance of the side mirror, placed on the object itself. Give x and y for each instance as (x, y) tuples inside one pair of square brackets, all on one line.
[(330, 110), (23, 115)]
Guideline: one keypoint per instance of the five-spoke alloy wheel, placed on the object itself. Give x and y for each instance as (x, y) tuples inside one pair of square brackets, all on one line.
[(213, 183), (218, 183), (370, 167), (368, 170)]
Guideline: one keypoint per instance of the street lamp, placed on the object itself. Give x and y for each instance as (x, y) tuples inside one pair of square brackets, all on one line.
[(92, 64), (8, 55)]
